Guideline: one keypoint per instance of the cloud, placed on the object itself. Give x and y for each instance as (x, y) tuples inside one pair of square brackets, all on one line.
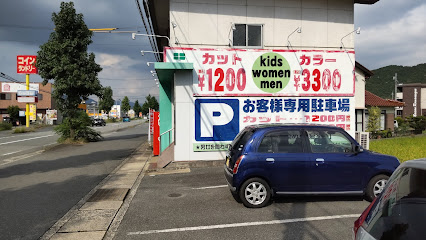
[(125, 77), (397, 42)]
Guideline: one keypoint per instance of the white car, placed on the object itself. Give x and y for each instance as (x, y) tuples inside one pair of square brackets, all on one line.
[(399, 212)]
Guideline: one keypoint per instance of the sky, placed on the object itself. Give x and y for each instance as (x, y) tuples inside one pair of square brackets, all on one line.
[(393, 32)]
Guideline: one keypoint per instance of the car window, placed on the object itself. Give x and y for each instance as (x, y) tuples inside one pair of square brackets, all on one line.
[(241, 139), (400, 209), (328, 142), (281, 142)]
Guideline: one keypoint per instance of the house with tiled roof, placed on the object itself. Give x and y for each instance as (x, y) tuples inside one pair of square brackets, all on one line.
[(387, 107)]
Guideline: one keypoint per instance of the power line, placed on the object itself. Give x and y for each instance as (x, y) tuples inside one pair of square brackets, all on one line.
[(151, 39), (49, 28), (11, 79)]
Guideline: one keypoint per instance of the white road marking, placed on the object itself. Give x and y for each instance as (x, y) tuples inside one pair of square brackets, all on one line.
[(14, 159), (219, 186), (246, 224), (22, 140), (7, 137), (12, 152)]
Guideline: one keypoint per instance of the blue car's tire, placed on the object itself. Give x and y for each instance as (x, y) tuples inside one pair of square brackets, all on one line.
[(255, 193)]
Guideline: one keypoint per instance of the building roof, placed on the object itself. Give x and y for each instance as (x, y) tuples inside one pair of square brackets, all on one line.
[(376, 101), (366, 1), (366, 71)]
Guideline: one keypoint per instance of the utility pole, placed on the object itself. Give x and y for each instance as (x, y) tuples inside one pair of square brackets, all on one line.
[(395, 78)]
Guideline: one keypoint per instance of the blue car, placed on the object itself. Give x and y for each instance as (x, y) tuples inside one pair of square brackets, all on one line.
[(126, 119), (264, 160)]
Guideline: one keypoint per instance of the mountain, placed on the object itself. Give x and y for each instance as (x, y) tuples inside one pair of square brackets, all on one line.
[(382, 83)]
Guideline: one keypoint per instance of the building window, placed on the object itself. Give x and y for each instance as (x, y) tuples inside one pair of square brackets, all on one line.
[(399, 113), (40, 96), (5, 96), (246, 35), (382, 119), (359, 119)]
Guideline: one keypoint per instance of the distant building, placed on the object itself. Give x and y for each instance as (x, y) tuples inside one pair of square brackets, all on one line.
[(414, 96), (115, 111), (8, 98)]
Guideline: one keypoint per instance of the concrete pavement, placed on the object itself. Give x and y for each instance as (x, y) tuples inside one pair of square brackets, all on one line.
[(99, 213), (94, 214)]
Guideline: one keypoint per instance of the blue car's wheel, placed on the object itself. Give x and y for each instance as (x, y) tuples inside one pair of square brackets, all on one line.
[(255, 193)]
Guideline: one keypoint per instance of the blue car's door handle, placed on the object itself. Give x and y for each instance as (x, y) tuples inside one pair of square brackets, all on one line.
[(319, 161), (270, 160)]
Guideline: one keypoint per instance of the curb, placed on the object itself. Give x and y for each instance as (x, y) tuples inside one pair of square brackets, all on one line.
[(97, 215)]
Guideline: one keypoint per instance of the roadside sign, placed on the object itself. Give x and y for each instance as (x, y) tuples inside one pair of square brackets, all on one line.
[(26, 64), (27, 99), (26, 93), (33, 112)]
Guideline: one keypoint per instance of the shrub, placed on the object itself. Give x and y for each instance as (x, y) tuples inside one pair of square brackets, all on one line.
[(81, 130), (373, 124), (23, 130), (5, 126), (417, 123)]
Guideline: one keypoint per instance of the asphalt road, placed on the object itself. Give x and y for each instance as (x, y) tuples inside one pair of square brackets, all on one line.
[(198, 205), (36, 190), (14, 144)]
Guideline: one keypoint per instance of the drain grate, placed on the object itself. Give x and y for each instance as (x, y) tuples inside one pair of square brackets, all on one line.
[(109, 194)]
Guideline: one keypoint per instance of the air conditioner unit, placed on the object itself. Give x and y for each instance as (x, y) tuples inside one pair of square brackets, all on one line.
[(363, 138)]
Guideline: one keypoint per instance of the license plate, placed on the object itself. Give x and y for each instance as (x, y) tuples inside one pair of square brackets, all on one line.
[(227, 161)]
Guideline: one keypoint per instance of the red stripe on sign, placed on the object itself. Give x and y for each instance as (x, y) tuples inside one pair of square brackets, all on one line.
[(255, 50), (275, 95)]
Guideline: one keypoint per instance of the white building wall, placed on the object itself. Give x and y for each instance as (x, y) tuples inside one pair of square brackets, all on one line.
[(205, 23), (184, 114), (359, 89)]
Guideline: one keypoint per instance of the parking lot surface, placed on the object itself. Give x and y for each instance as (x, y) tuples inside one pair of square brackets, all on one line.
[(199, 205)]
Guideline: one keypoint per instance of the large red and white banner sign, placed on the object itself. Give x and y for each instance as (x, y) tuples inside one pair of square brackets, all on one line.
[(242, 72), (26, 64)]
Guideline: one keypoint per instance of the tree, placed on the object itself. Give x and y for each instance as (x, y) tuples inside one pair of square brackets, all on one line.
[(106, 101), (13, 112), (137, 108), (373, 124), (150, 102), (125, 105), (64, 59)]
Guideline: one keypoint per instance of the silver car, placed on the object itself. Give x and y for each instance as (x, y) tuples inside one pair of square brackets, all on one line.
[(399, 212)]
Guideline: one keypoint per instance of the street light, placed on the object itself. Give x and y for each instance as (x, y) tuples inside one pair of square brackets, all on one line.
[(143, 52), (357, 31), (149, 35), (298, 30)]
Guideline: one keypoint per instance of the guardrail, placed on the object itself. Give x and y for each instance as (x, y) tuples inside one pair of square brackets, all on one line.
[(169, 132)]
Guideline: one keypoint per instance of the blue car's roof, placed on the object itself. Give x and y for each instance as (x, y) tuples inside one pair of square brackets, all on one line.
[(284, 126)]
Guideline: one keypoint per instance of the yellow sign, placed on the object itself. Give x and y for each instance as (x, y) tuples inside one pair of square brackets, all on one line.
[(33, 112)]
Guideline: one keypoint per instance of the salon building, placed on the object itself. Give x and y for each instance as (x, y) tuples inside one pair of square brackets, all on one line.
[(229, 64)]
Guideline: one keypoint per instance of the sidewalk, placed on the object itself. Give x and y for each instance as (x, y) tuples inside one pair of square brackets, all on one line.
[(92, 216), (99, 214)]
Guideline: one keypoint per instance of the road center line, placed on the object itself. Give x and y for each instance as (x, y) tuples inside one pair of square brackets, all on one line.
[(7, 137), (12, 152), (246, 224), (22, 140), (219, 186)]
